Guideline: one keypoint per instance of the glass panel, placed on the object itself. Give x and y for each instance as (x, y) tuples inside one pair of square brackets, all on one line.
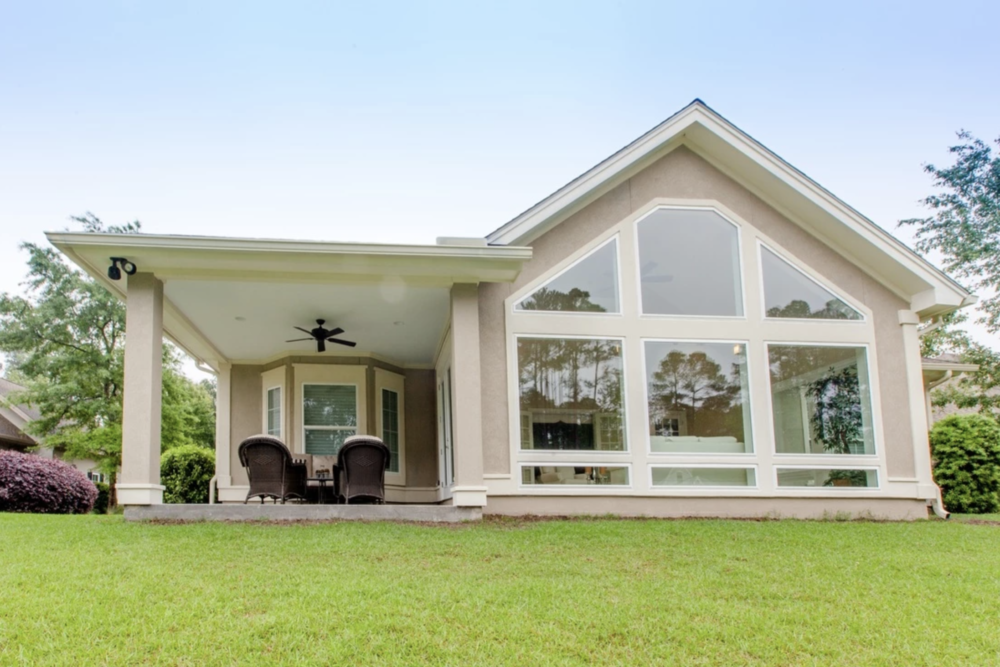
[(699, 397), (390, 427), (274, 412), (591, 285), (704, 477), (330, 405), (326, 443), (838, 479), (571, 394), (821, 400), (790, 293), (689, 263), (547, 475)]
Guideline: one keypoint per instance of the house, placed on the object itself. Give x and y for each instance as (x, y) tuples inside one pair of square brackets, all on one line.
[(692, 327), (14, 419)]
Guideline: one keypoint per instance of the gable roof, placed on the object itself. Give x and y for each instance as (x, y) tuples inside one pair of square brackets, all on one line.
[(785, 188), (25, 412)]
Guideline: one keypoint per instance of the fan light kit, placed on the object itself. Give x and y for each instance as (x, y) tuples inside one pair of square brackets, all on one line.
[(322, 336)]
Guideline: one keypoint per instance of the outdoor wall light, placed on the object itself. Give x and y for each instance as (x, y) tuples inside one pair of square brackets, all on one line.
[(115, 273)]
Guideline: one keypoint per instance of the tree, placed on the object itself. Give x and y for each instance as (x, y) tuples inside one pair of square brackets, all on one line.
[(965, 230), (64, 339)]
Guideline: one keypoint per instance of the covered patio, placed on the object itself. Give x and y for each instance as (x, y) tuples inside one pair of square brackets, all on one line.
[(243, 308)]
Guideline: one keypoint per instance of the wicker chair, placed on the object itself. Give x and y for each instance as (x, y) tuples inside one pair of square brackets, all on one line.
[(272, 471), (362, 461)]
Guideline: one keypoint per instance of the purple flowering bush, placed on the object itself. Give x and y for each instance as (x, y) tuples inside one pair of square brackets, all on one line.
[(29, 483)]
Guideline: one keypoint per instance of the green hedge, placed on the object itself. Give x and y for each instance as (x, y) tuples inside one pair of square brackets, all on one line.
[(103, 496), (186, 471), (966, 453)]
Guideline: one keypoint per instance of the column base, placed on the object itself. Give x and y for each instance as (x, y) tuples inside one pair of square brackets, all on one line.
[(468, 496), (139, 494)]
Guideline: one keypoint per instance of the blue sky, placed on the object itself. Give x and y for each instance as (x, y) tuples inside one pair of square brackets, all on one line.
[(403, 122)]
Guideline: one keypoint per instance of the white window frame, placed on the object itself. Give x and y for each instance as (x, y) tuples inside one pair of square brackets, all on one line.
[(388, 381), (274, 379), (576, 452), (633, 328), (722, 466), (822, 490), (809, 275), (824, 459), (574, 463), (654, 456), (575, 259), (330, 374), (740, 268)]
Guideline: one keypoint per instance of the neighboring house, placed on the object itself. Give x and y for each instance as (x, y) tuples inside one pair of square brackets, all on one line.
[(14, 419), (692, 327), (940, 372)]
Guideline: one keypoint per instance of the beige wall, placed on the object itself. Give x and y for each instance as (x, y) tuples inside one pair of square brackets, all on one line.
[(684, 175), (419, 406), (748, 508), (420, 412)]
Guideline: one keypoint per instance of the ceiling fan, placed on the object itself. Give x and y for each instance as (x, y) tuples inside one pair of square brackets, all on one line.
[(321, 335), (647, 270)]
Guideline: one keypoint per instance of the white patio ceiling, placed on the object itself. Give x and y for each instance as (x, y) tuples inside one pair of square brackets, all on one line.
[(238, 300)]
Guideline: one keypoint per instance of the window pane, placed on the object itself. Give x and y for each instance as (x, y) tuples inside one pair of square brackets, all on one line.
[(330, 405), (699, 397), (704, 477), (574, 475), (849, 479), (821, 400), (325, 443), (571, 394), (591, 285), (790, 293), (689, 263), (390, 427), (274, 412)]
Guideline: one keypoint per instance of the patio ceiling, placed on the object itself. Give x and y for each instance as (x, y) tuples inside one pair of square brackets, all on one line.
[(238, 300)]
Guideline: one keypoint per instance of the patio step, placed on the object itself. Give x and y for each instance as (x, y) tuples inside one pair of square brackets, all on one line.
[(268, 512)]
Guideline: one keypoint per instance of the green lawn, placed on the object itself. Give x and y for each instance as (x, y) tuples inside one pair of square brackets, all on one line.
[(90, 590)]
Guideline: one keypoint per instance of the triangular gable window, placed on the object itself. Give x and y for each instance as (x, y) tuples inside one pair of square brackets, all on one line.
[(789, 293), (589, 286)]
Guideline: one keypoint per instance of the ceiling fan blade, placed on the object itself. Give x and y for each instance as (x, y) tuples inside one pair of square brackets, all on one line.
[(648, 267), (298, 340), (336, 331), (303, 330), (338, 341)]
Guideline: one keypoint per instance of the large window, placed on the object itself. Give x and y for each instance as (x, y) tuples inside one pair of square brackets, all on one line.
[(329, 416), (821, 399), (274, 412), (698, 397), (703, 476), (577, 475), (571, 394), (789, 293), (689, 263), (588, 286), (821, 478), (390, 427)]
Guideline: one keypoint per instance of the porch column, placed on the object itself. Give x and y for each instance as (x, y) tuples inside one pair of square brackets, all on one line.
[(908, 321), (469, 489), (223, 455), (140, 479)]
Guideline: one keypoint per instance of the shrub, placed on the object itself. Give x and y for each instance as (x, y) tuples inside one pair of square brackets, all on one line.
[(29, 483), (966, 453), (186, 472), (101, 504)]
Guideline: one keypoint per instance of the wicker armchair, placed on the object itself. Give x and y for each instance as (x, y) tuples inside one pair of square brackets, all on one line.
[(362, 461), (272, 471)]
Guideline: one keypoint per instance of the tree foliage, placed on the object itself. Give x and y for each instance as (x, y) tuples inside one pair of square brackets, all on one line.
[(64, 338), (186, 471), (966, 453)]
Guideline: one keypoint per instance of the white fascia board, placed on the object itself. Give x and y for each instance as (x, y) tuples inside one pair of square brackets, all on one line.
[(218, 243), (948, 366), (696, 118)]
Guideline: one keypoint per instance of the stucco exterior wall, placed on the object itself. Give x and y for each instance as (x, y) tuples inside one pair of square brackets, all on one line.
[(246, 414), (682, 174), (420, 413)]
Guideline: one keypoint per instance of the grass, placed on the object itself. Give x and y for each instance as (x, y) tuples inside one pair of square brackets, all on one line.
[(95, 590)]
